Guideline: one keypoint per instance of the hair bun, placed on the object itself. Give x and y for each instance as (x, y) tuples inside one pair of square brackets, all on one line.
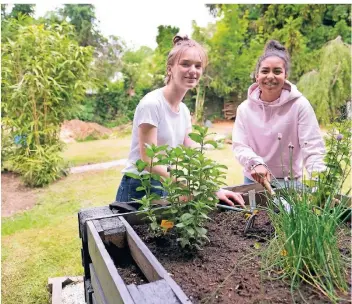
[(178, 39), (274, 45)]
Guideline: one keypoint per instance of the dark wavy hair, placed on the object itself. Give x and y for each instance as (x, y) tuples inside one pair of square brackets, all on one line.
[(274, 48)]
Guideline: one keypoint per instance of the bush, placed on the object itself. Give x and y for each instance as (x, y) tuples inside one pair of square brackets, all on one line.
[(40, 167)]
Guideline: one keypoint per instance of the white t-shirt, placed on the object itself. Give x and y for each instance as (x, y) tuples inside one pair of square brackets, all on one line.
[(171, 126)]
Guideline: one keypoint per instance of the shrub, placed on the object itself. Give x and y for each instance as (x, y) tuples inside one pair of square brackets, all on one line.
[(193, 178)]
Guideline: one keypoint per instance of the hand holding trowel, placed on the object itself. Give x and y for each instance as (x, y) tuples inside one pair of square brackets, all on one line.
[(262, 175), (277, 200)]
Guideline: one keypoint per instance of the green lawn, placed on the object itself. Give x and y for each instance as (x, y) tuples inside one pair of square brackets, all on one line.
[(96, 151), (44, 241)]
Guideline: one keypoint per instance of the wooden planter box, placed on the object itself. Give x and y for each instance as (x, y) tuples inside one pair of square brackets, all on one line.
[(103, 283), (101, 226)]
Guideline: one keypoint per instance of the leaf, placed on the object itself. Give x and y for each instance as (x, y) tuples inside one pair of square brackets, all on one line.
[(141, 165), (149, 152), (212, 142), (179, 225), (201, 230), (186, 216), (195, 137), (190, 230), (132, 175)]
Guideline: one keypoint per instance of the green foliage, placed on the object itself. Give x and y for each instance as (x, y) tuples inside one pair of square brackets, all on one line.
[(337, 160), (44, 74), (110, 106), (135, 69), (22, 9), (305, 246), (164, 40), (107, 58), (230, 64), (82, 17), (39, 167), (328, 89), (193, 178)]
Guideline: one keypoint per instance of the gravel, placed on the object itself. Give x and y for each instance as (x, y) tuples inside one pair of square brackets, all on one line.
[(73, 294)]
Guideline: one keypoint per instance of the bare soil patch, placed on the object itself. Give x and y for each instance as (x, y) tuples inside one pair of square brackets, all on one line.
[(15, 196), (76, 129)]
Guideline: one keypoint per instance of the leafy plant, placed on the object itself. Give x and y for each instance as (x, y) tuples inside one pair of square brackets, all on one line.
[(44, 74), (191, 187), (305, 246)]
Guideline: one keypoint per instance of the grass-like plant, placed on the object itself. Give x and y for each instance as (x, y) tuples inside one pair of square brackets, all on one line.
[(305, 246)]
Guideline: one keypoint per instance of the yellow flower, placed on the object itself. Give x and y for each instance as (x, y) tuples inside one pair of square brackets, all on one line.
[(283, 252)]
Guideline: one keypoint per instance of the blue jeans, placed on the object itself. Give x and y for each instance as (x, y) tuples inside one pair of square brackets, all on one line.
[(127, 190)]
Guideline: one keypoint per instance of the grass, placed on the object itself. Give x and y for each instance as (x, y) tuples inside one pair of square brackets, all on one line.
[(96, 151), (43, 242), (226, 157)]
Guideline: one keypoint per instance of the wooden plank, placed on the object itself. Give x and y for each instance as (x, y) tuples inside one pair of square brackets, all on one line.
[(55, 285), (98, 293), (114, 231), (94, 301), (88, 291), (88, 213), (113, 286), (148, 263), (158, 292), (136, 294)]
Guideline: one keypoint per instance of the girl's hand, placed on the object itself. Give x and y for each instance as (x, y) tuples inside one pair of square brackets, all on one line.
[(226, 195), (260, 173)]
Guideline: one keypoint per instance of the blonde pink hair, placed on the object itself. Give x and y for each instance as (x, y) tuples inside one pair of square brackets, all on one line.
[(180, 44)]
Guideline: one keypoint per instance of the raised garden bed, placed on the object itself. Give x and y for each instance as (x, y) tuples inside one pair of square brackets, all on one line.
[(228, 269), (156, 270)]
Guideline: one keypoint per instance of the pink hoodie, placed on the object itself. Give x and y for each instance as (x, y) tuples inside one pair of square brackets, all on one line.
[(258, 124)]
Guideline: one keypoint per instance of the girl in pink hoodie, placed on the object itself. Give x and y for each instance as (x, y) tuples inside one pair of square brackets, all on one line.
[(275, 121)]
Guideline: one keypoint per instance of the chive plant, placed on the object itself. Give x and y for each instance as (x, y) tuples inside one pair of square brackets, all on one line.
[(305, 246)]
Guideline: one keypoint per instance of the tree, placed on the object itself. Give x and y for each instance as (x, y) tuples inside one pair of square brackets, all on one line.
[(231, 56), (44, 75), (328, 89), (164, 40), (24, 9), (108, 58), (135, 70), (82, 17)]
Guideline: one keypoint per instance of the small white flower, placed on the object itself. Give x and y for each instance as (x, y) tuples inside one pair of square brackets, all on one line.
[(290, 146), (279, 136)]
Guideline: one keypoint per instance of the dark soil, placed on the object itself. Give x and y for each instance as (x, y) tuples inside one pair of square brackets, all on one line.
[(228, 269), (126, 266)]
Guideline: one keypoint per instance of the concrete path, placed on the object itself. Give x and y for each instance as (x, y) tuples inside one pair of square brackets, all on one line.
[(100, 166)]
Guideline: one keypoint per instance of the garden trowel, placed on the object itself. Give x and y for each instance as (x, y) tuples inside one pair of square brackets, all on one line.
[(125, 207), (278, 200)]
